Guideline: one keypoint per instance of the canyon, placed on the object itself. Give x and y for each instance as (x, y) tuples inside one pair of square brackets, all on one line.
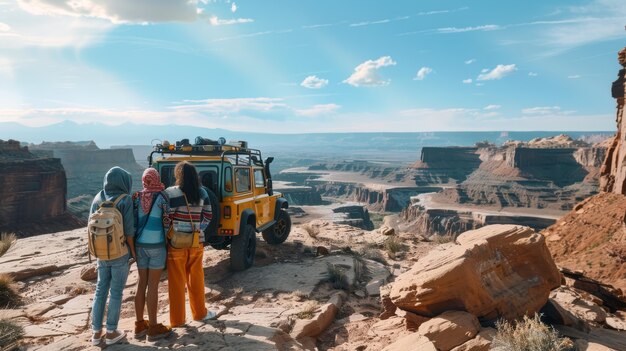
[(33, 192)]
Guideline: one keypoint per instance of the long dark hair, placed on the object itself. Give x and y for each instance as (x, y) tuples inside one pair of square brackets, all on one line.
[(187, 179)]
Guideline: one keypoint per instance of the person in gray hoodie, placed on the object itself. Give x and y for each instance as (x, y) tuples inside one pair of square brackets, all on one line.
[(112, 274)]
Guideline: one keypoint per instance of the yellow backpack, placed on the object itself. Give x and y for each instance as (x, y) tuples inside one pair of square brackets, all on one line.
[(106, 232)]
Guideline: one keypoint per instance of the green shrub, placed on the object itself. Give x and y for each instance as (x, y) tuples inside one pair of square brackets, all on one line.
[(337, 277), (529, 334), (8, 296), (9, 334), (393, 245)]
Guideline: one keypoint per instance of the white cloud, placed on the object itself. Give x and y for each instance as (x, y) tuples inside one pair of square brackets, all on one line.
[(479, 84), (4, 27), (367, 23), (467, 81), (492, 107), (421, 74), (487, 27), (261, 104), (546, 110), (532, 74), (573, 76), (233, 8), (366, 74), (484, 70), (497, 73), (116, 11), (318, 110), (470, 61), (215, 21), (313, 82)]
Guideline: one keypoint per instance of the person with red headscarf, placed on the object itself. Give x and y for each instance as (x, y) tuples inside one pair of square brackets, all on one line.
[(151, 207)]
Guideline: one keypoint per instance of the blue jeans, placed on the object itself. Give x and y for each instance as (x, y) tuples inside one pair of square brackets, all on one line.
[(151, 258), (112, 276)]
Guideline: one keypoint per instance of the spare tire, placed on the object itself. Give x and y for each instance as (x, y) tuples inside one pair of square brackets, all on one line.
[(211, 229)]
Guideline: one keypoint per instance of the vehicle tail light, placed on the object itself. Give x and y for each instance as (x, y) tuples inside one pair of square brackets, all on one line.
[(227, 231), (227, 212)]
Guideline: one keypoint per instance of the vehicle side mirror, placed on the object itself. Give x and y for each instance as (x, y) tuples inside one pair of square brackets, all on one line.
[(228, 186), (269, 160)]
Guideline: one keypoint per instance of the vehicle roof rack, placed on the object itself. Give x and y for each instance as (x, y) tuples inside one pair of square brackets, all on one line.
[(208, 147)]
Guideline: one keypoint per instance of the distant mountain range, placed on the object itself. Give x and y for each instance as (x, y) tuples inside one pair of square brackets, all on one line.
[(356, 145)]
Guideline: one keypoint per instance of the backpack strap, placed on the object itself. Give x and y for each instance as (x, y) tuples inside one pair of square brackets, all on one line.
[(193, 227), (119, 198)]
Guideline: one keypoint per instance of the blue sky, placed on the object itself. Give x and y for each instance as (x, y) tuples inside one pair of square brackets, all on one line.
[(312, 66)]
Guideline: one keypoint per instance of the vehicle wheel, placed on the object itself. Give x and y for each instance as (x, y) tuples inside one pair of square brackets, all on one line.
[(243, 248), (278, 233), (211, 229)]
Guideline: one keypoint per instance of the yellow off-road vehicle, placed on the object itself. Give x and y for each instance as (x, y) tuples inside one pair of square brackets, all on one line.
[(239, 185)]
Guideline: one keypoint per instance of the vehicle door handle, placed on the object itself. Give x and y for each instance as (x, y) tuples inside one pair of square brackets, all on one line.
[(257, 202)]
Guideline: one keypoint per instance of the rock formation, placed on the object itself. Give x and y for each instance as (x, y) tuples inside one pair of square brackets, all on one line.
[(85, 165), (613, 172), (498, 271), (33, 192), (592, 239)]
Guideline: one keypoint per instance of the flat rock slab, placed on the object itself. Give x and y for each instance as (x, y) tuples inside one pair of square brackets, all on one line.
[(288, 277), (266, 317)]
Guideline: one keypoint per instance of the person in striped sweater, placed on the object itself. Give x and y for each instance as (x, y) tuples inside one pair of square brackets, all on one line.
[(151, 209), (189, 208)]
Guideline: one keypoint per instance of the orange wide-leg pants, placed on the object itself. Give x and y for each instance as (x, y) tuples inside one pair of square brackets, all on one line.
[(184, 269)]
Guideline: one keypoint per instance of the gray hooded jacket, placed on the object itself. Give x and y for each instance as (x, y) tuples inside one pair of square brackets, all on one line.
[(117, 181)]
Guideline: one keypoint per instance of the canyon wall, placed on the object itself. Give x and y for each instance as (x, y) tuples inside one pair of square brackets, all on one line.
[(86, 165), (33, 192)]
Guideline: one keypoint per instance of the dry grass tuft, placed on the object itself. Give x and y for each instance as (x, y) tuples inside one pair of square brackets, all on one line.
[(393, 246), (10, 333), (299, 295), (372, 253), (308, 310), (443, 239), (6, 241), (337, 277), (529, 335), (8, 295), (312, 231)]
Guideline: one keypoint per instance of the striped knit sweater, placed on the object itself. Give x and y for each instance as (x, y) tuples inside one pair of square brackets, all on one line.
[(201, 214)]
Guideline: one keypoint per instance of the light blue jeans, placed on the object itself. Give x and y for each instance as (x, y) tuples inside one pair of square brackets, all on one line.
[(112, 277)]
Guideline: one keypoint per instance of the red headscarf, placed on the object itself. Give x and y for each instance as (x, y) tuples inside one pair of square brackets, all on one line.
[(151, 184)]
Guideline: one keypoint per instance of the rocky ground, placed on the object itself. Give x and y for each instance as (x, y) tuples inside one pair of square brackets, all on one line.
[(277, 304), (291, 300)]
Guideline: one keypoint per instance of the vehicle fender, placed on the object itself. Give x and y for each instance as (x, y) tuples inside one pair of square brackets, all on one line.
[(247, 216), (281, 203)]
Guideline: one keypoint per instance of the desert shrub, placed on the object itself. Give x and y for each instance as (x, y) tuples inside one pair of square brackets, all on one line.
[(311, 230), (372, 253), (337, 277), (300, 295), (308, 310), (6, 241), (361, 272), (529, 334), (8, 295), (442, 239), (9, 334), (393, 245)]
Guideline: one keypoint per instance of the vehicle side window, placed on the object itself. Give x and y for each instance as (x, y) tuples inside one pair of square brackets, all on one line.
[(259, 180), (228, 179), (242, 180)]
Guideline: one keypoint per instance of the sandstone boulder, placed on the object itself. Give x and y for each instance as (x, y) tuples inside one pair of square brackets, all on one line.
[(386, 230), (482, 341), (89, 273), (413, 341), (450, 329), (495, 271)]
